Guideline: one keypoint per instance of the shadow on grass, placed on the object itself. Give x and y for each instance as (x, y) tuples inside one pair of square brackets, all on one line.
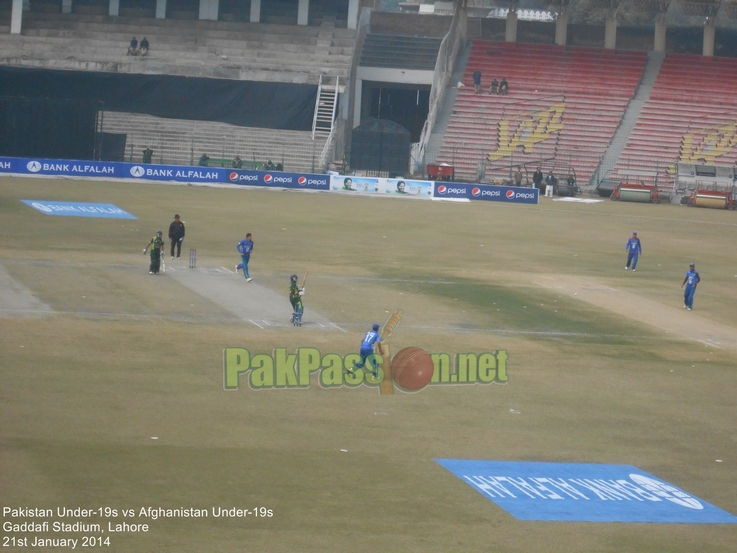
[(538, 313)]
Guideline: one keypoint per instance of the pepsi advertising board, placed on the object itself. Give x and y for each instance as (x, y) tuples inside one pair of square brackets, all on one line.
[(277, 179), (488, 192)]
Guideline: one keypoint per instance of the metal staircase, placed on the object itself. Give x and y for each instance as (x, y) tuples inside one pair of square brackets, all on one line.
[(327, 102)]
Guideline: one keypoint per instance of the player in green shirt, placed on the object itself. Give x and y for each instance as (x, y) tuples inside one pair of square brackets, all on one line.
[(295, 298), (157, 250)]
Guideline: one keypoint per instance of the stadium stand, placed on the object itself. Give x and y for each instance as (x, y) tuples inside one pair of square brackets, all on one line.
[(563, 106), (180, 142), (401, 52), (691, 117), (277, 50), (217, 49)]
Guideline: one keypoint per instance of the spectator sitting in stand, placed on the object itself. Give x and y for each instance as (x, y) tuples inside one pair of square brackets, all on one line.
[(269, 166), (204, 160), (144, 46), (147, 155), (133, 48), (494, 89), (237, 162), (503, 86), (279, 167)]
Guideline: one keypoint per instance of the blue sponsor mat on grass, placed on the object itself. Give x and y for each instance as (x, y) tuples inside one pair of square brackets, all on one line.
[(79, 209), (575, 492)]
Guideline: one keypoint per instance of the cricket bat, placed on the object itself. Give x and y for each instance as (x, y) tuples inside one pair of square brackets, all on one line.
[(387, 385), (163, 263), (304, 280)]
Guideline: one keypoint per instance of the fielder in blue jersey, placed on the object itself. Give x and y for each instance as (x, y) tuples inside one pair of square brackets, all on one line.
[(245, 248), (691, 280), (634, 249), (367, 348)]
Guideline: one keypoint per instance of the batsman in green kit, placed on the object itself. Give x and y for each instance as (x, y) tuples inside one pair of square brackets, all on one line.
[(295, 298), (156, 246)]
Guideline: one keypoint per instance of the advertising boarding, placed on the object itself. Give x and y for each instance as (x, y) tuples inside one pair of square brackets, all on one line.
[(160, 173), (487, 192), (430, 189), (277, 179), (376, 186), (382, 186)]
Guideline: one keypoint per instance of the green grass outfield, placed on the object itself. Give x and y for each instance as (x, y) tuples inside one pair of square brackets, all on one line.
[(604, 367)]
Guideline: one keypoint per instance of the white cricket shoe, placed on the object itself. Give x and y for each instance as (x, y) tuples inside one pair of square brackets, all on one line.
[(249, 279), (236, 269)]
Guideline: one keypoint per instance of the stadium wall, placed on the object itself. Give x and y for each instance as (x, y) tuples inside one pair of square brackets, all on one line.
[(284, 106)]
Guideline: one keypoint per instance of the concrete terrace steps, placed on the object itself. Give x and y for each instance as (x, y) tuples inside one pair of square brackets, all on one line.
[(208, 49), (182, 142), (122, 65), (167, 51), (158, 36), (234, 59), (119, 42)]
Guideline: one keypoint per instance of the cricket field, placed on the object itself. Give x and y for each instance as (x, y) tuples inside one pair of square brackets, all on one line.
[(113, 403)]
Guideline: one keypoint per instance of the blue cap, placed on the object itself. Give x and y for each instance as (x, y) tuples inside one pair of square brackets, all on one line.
[(692, 265), (376, 327)]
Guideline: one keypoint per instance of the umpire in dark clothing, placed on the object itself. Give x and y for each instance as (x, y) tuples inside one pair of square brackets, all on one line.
[(176, 235)]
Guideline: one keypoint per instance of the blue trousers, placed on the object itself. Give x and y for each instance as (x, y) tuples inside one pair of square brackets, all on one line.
[(244, 265), (364, 353), (632, 258), (688, 296)]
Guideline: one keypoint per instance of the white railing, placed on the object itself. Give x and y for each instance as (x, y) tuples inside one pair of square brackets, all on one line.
[(317, 107), (323, 161)]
